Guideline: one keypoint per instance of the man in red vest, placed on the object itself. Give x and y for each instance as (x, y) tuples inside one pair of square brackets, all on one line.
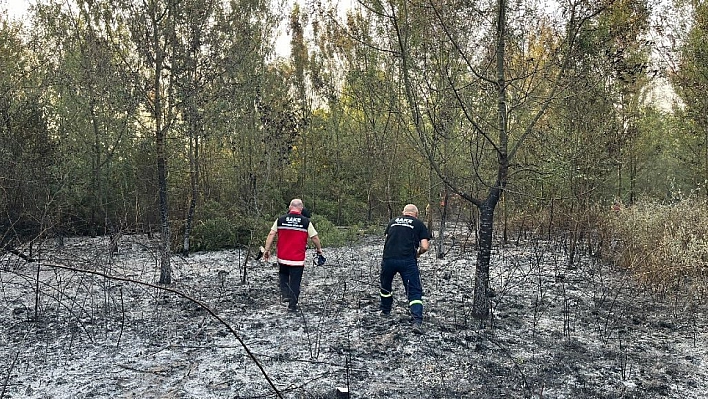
[(292, 231)]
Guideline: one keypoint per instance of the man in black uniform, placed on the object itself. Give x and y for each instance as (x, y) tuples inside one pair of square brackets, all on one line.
[(406, 239)]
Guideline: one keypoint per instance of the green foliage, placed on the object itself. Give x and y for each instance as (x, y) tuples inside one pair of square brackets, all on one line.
[(333, 236), (663, 167), (218, 227), (28, 150), (345, 212), (212, 210), (214, 234), (690, 83), (332, 125), (665, 245)]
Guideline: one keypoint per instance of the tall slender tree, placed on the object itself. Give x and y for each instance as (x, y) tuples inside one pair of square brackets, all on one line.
[(92, 109), (27, 147), (501, 91), (690, 81), (152, 25)]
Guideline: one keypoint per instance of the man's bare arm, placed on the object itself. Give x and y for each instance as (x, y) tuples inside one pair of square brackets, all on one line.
[(268, 243), (424, 246), (318, 244)]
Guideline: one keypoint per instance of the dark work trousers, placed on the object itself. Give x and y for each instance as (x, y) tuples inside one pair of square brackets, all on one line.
[(290, 278), (410, 275)]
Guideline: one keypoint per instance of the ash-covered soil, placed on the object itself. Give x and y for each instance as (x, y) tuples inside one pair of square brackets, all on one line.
[(582, 332)]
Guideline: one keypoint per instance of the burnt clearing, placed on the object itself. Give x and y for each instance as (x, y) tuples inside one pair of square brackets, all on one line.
[(557, 332)]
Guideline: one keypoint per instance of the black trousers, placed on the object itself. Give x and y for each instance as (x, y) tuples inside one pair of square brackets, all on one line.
[(290, 279), (410, 276)]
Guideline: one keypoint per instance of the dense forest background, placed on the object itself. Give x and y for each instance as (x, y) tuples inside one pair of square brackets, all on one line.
[(185, 120)]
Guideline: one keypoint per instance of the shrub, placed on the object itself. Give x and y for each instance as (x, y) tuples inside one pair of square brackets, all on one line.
[(218, 233), (331, 235), (664, 245)]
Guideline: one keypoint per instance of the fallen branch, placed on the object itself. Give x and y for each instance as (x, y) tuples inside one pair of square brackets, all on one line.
[(19, 254), (137, 370), (9, 372), (185, 296)]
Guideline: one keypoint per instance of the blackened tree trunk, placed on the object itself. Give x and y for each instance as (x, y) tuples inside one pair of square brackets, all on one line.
[(440, 249), (165, 255), (481, 305)]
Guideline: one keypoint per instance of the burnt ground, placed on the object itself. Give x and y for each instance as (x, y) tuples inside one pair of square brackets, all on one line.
[(583, 332)]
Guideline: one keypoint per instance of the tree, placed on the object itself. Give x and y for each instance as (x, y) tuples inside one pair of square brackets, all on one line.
[(250, 113), (28, 150), (590, 146), (622, 31), (500, 88), (93, 107), (195, 67), (690, 81), (151, 26)]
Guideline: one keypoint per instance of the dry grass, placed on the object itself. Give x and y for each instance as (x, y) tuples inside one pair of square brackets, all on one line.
[(664, 245)]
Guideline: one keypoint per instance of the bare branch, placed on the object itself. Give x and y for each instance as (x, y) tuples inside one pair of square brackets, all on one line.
[(185, 296)]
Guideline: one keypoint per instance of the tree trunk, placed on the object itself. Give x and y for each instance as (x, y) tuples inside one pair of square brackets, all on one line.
[(481, 306), (160, 143), (443, 221), (705, 146), (193, 181), (165, 268), (97, 198), (194, 123)]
